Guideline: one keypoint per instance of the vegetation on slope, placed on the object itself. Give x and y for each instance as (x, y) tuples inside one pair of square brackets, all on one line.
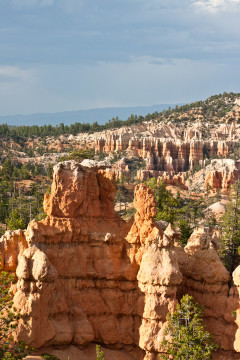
[(184, 213), (214, 106), (22, 188), (8, 321)]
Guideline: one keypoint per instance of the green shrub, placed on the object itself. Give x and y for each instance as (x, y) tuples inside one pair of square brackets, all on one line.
[(99, 353), (8, 322)]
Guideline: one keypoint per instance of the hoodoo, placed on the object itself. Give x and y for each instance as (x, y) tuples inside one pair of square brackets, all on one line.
[(86, 276)]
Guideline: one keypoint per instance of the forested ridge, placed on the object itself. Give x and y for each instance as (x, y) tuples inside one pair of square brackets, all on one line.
[(216, 105)]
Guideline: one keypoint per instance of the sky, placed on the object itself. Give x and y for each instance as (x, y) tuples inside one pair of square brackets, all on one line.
[(59, 55)]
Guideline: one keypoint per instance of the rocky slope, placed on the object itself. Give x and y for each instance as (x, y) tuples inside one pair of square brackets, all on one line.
[(171, 143), (85, 276), (219, 174)]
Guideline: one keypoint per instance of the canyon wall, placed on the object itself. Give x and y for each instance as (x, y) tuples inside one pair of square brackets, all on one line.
[(170, 158), (222, 174), (164, 154), (86, 276), (207, 280), (166, 147)]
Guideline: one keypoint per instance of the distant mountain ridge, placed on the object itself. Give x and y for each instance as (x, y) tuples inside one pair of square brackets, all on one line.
[(101, 115)]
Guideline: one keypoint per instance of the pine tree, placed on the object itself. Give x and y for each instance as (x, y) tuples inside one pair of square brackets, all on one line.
[(231, 231), (167, 205), (188, 338)]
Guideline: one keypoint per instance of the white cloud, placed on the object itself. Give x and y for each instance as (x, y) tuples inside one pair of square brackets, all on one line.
[(9, 73), (151, 60), (216, 5)]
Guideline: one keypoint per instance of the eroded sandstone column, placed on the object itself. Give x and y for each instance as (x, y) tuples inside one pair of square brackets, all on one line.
[(158, 275)]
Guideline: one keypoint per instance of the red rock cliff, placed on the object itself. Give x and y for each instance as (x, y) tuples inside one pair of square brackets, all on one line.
[(87, 276)]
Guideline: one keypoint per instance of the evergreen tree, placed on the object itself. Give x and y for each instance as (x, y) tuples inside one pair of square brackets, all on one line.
[(231, 231), (173, 209), (6, 171), (15, 221), (168, 206), (210, 219), (188, 338), (79, 155), (185, 229)]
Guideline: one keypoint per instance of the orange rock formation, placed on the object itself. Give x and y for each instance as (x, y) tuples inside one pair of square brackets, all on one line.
[(161, 154), (171, 155), (222, 173), (12, 244), (87, 276), (206, 279)]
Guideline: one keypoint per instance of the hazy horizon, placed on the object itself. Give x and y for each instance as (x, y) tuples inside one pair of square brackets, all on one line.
[(101, 115)]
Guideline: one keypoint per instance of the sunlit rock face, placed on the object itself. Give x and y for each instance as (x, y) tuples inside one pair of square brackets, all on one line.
[(207, 280), (170, 150), (12, 244), (85, 276), (168, 147), (222, 174)]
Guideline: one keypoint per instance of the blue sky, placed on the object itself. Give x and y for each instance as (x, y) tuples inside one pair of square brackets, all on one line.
[(58, 55)]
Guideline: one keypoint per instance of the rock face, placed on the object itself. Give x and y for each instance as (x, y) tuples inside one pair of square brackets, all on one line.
[(219, 174), (12, 244), (169, 155), (158, 275), (177, 153), (206, 279), (86, 276), (168, 147), (222, 173), (203, 239), (236, 279), (75, 278), (170, 178)]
